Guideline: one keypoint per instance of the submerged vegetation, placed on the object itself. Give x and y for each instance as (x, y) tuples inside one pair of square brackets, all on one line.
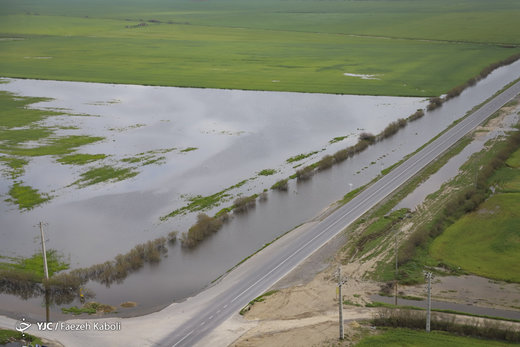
[(267, 172), (204, 227), (22, 136), (80, 159), (26, 197), (281, 185), (104, 174), (89, 308), (201, 203), (300, 157), (24, 277)]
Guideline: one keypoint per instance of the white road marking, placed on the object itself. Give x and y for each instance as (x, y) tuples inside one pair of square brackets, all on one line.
[(191, 332)]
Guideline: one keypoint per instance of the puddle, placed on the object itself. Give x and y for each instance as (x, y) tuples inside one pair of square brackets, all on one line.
[(363, 77)]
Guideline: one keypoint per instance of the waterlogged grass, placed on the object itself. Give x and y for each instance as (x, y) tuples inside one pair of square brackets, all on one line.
[(105, 174), (80, 159), (16, 165), (22, 136), (151, 157), (26, 197), (14, 112), (408, 337), (485, 242), (53, 146), (202, 203), (338, 139), (89, 308), (267, 172), (145, 160), (189, 149), (300, 157), (34, 264)]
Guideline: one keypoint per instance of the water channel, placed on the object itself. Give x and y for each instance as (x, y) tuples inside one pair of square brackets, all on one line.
[(237, 134)]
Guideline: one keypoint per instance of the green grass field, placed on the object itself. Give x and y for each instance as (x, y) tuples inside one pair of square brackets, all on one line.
[(417, 48), (487, 242), (408, 337)]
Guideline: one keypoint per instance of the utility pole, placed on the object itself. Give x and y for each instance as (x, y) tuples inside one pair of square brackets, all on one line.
[(396, 271), (340, 283), (428, 313), (44, 254)]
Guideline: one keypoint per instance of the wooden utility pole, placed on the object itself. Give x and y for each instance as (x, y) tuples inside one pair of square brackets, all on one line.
[(428, 313), (396, 271), (44, 253), (340, 283)]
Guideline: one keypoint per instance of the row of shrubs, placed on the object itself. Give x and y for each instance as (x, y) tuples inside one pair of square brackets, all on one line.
[(63, 287), (400, 318), (459, 204), (206, 225), (365, 139), (456, 91)]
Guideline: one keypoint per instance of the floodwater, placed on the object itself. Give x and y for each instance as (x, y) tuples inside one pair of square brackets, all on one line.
[(237, 133)]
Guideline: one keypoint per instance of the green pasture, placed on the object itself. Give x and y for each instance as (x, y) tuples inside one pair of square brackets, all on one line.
[(419, 48), (514, 160), (485, 242), (408, 337)]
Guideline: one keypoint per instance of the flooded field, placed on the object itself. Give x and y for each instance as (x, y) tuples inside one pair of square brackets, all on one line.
[(199, 142)]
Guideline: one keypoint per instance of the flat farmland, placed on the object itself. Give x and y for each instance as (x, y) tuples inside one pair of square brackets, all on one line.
[(402, 48)]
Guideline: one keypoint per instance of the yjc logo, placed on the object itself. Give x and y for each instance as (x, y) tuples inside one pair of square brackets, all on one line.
[(22, 325)]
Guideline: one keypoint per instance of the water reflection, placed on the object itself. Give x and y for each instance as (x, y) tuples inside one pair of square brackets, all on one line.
[(251, 131)]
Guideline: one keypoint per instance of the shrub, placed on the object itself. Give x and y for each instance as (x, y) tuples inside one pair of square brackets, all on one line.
[(204, 227), (367, 137), (392, 128), (305, 173), (262, 197), (418, 114), (243, 204), (435, 102), (281, 185), (401, 318), (172, 237), (326, 162), (342, 154)]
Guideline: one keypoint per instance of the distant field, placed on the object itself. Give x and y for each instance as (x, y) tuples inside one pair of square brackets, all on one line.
[(419, 48), (487, 242), (407, 337)]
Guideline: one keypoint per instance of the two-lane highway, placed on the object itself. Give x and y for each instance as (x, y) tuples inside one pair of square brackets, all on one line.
[(269, 266)]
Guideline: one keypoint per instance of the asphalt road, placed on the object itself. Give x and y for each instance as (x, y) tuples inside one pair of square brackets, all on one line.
[(269, 269)]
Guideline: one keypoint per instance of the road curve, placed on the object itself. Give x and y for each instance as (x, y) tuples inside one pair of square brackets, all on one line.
[(272, 268)]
